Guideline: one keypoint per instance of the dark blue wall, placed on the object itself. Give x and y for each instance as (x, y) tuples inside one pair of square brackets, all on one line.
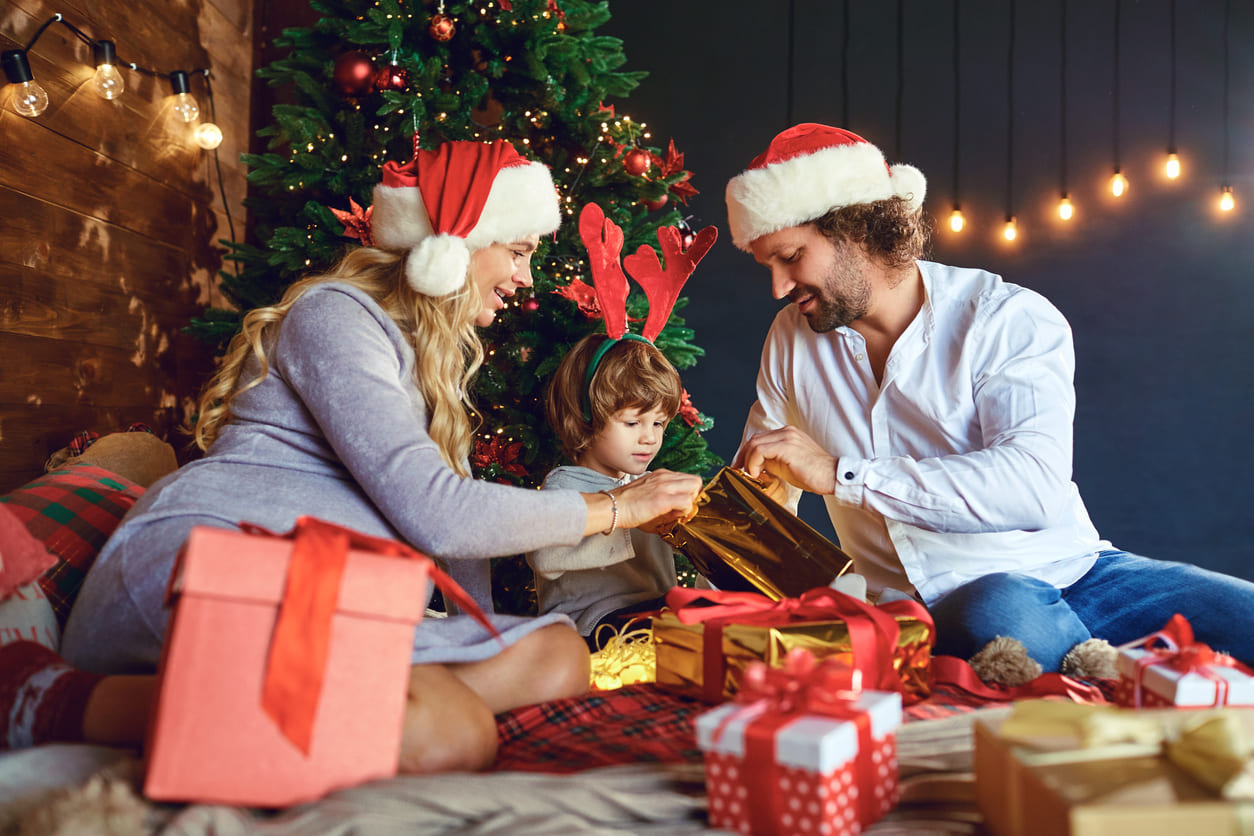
[(1158, 286)]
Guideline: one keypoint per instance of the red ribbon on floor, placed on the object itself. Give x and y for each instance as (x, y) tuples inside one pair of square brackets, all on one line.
[(873, 631), (953, 674), (1175, 647), (778, 696), (301, 642)]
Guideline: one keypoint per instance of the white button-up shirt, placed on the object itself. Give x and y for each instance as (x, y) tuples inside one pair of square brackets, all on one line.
[(956, 465)]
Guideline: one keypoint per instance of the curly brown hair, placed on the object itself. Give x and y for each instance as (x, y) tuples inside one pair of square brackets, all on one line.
[(891, 231), (632, 374)]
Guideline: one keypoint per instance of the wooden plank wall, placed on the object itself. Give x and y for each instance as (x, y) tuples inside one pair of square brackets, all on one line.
[(109, 218)]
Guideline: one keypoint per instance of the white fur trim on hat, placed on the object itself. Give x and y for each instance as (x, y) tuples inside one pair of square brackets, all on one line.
[(522, 202), (804, 188), (438, 265)]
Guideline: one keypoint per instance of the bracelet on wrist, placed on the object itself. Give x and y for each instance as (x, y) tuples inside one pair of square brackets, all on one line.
[(613, 513)]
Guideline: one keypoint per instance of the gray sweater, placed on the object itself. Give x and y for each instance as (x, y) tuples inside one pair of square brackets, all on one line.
[(336, 430), (602, 573)]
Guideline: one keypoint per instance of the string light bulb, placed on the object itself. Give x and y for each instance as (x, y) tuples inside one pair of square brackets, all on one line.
[(1172, 166), (184, 105), (956, 221), (29, 98), (1010, 231), (108, 81), (208, 135), (1226, 201), (1065, 209), (1118, 183)]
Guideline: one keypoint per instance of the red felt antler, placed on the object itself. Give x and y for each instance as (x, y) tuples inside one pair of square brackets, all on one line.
[(662, 286), (604, 241)]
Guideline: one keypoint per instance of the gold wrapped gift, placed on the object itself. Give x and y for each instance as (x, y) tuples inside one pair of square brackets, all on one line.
[(1063, 769), (707, 658), (743, 540)]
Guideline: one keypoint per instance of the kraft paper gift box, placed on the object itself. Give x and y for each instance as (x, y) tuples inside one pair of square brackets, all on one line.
[(1145, 773), (1169, 668), (215, 736), (775, 774), (705, 639)]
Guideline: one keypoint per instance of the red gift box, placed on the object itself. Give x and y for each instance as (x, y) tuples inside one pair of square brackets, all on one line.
[(285, 668), (800, 753), (1169, 668)]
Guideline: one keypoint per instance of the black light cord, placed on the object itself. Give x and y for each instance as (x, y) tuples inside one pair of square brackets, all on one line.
[(1062, 101), (1010, 114), (957, 99)]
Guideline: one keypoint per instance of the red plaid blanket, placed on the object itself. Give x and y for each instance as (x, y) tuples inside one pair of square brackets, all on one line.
[(639, 724)]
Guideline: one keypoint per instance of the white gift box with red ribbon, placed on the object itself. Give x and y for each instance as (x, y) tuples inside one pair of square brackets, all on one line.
[(1168, 668), (820, 778)]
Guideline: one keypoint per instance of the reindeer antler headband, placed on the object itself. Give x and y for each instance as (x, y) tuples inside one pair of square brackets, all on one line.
[(604, 241)]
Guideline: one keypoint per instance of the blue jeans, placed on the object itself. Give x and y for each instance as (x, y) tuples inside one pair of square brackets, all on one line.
[(1122, 598)]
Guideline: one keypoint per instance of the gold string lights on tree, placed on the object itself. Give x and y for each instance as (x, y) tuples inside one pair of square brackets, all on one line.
[(29, 99)]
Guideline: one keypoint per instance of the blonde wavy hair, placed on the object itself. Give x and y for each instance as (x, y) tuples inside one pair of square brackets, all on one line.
[(441, 331)]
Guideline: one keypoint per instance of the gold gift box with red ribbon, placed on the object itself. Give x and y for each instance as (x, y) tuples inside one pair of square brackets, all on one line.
[(705, 639)]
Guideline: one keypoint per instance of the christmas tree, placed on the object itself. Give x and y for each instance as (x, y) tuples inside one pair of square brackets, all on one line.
[(371, 76)]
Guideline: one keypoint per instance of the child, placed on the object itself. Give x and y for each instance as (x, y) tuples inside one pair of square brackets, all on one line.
[(610, 424)]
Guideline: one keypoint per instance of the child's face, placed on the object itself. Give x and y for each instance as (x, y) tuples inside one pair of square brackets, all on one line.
[(627, 443)]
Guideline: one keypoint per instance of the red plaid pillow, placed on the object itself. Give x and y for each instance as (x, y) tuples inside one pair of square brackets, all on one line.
[(72, 511)]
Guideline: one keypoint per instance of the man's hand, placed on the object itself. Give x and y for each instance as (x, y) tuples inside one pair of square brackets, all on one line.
[(790, 455)]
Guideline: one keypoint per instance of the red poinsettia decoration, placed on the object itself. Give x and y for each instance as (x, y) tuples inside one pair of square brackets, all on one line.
[(356, 223), (690, 414), (583, 295), (503, 454), (669, 166)]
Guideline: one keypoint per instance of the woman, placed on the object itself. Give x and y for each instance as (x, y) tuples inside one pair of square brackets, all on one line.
[(347, 402)]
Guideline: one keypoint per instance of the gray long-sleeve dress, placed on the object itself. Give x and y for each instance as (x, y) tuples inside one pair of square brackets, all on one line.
[(337, 430)]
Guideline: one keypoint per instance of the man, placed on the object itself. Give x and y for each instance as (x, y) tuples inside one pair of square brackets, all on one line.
[(932, 408)]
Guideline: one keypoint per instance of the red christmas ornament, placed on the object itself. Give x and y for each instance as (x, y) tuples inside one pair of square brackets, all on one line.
[(531, 305), (441, 27), (392, 77), (637, 161), (354, 73), (654, 205)]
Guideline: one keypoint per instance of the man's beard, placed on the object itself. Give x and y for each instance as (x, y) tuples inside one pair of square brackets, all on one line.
[(833, 309)]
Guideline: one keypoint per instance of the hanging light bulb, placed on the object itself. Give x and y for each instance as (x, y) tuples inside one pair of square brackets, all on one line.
[(1226, 202), (1065, 210), (1172, 166), (956, 221), (1009, 229), (184, 105), (29, 99), (208, 136), (108, 80), (1118, 183)]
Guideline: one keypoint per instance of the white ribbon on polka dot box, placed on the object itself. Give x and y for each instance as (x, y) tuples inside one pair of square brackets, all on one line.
[(817, 779)]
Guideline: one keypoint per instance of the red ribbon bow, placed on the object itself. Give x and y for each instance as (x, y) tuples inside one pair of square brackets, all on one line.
[(302, 633), (1175, 647)]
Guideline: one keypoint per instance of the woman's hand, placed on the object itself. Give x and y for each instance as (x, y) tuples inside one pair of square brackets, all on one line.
[(789, 454), (659, 494)]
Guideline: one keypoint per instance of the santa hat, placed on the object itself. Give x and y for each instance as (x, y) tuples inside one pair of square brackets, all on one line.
[(807, 171), (460, 197)]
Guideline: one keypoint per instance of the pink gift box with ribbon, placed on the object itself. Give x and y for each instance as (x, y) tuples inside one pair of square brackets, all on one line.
[(802, 755), (286, 665), (1169, 668)]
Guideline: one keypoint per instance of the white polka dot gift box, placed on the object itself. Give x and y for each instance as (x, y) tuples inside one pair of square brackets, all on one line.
[(1169, 668), (802, 759)]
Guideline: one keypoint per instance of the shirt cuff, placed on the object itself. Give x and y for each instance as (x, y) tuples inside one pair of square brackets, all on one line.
[(850, 479)]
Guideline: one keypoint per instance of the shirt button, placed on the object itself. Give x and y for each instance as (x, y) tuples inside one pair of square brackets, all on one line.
[(859, 357), (848, 475)]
